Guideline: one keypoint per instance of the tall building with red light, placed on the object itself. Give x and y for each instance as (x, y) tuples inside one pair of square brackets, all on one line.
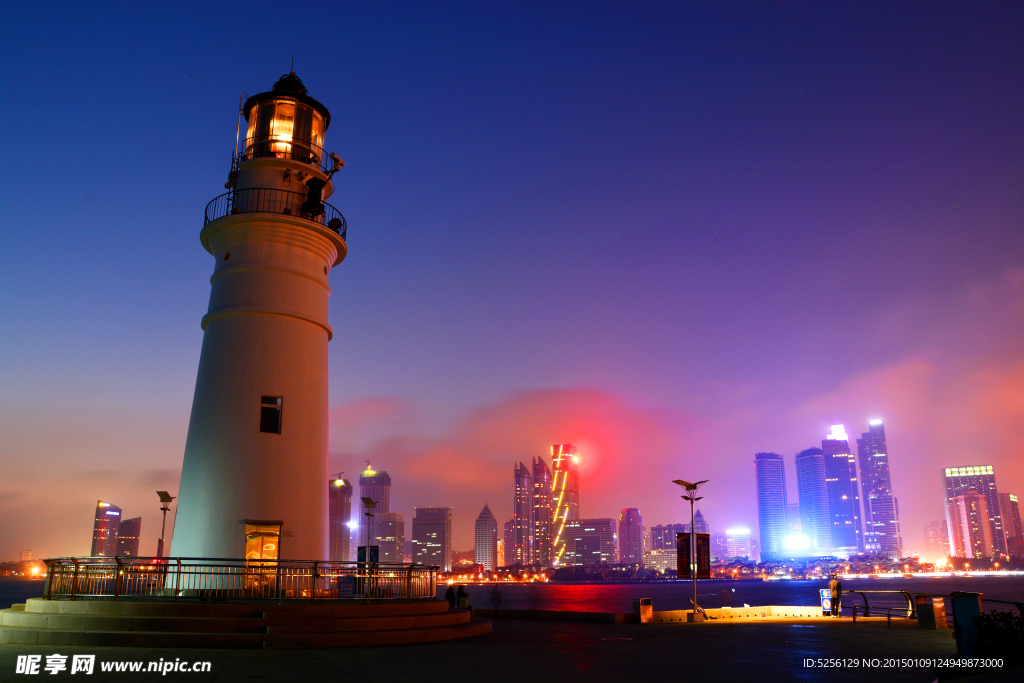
[(541, 512), (565, 495), (104, 529)]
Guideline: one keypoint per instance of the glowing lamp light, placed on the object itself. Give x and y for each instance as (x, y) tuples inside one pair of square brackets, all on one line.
[(352, 524), (838, 434), (874, 423), (796, 542), (575, 458)]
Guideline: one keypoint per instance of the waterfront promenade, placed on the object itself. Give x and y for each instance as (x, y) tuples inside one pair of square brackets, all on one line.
[(518, 650)]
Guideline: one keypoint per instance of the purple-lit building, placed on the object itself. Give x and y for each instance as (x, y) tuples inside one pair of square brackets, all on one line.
[(843, 493), (631, 537), (128, 533), (104, 529)]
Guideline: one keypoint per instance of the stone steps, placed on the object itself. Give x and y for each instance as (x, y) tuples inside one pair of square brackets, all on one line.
[(233, 625), (176, 639)]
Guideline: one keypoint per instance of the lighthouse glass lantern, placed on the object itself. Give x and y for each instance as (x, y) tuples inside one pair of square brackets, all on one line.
[(286, 123)]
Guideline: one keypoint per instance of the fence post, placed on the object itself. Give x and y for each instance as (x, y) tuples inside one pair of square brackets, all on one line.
[(117, 578), (312, 582), (855, 614), (177, 583), (74, 579)]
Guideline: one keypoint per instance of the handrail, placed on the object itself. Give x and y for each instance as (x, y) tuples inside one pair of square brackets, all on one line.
[(270, 146), (235, 578), (908, 595), (270, 200)]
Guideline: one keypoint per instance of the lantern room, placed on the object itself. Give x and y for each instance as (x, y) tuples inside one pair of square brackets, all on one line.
[(286, 123)]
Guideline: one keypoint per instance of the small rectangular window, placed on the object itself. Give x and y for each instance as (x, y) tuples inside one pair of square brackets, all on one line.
[(270, 414)]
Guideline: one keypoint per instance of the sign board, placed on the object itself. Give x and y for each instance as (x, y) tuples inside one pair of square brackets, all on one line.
[(374, 554), (826, 600), (703, 542), (683, 562)]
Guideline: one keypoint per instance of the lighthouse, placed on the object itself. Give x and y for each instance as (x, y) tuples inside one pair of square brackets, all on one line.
[(254, 477)]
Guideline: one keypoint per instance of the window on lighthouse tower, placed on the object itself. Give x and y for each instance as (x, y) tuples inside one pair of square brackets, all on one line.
[(270, 414)]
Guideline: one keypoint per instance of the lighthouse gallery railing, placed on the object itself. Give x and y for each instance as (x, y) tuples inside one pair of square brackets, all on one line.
[(183, 578), (268, 200)]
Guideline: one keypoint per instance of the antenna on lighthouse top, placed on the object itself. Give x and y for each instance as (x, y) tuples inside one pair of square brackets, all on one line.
[(293, 64)]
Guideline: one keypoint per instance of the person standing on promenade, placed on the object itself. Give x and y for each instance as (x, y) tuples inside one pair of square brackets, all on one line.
[(449, 595), (836, 588)]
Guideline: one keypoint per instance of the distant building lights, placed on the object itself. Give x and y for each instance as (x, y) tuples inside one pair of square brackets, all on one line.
[(838, 434), (875, 422)]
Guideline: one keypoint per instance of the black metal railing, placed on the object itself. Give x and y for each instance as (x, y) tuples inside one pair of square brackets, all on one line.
[(266, 200), (183, 578), (269, 146)]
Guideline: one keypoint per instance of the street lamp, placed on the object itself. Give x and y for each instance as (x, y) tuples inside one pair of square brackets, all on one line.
[(165, 505), (369, 504), (691, 491)]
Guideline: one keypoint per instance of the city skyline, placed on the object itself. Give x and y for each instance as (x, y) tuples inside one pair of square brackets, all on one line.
[(681, 237)]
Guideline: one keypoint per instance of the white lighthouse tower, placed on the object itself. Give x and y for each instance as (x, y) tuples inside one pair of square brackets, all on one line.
[(253, 483)]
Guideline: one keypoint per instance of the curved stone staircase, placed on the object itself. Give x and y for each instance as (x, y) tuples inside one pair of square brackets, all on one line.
[(233, 625)]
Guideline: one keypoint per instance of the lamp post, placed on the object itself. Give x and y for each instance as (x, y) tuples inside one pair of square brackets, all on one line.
[(691, 491), (369, 504), (165, 500)]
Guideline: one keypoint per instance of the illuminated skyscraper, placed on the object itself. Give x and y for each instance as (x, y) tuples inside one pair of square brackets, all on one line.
[(389, 534), (815, 523), (982, 479), (738, 541), (873, 457), (339, 514), (843, 493), (485, 533), (541, 513), (972, 531), (377, 487), (432, 537), (884, 512), (700, 525), (631, 543), (104, 529), (522, 516), (770, 476), (565, 493), (936, 541), (663, 536), (589, 542), (128, 537), (1009, 513), (508, 534)]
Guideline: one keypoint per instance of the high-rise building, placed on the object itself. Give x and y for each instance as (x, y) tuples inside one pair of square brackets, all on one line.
[(770, 477), (486, 534), (25, 556), (700, 525), (738, 542), (793, 518), (590, 542), (631, 540), (257, 437), (843, 493), (1009, 513), (972, 529), (104, 529), (501, 553), (522, 516), (339, 514), (377, 487), (565, 496), (663, 536), (432, 537), (719, 546), (936, 541), (873, 457), (508, 536), (541, 513), (884, 522), (815, 523), (389, 535), (982, 479), (128, 533)]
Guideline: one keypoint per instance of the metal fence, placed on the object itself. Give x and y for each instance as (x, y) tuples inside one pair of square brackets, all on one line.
[(268, 200), (902, 604), (270, 146), (182, 578)]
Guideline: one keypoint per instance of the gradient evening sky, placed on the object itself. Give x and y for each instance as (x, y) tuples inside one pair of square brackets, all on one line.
[(674, 234)]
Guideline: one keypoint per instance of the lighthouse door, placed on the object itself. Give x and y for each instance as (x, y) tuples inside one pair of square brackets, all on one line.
[(262, 550)]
